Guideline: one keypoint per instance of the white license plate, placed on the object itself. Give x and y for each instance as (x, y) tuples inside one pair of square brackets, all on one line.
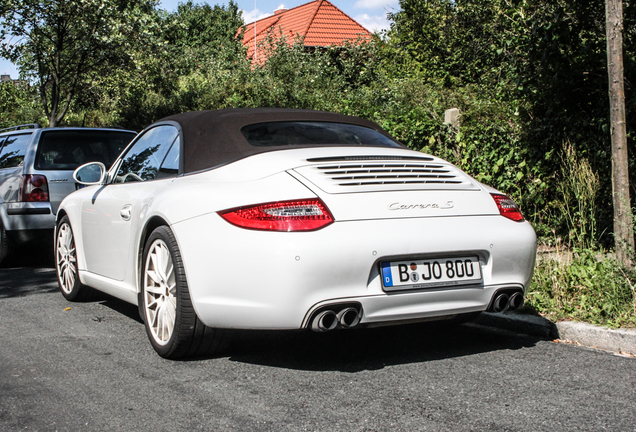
[(428, 273)]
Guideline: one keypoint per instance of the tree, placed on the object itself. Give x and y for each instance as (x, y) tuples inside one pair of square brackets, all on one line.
[(18, 104), (203, 26), (198, 33), (64, 44), (546, 59), (623, 227), (174, 69)]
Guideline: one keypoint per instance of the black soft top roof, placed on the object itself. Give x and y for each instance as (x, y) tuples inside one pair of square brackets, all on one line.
[(213, 138)]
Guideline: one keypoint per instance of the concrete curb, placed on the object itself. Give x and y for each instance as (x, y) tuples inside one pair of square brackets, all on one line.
[(588, 335), (619, 341)]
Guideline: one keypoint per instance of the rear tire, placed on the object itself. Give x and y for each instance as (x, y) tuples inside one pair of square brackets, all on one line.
[(171, 323), (66, 264), (5, 244)]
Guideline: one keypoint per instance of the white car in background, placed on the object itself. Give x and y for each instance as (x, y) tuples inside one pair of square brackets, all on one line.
[(286, 219)]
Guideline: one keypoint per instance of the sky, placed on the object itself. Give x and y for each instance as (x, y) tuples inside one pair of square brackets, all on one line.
[(369, 13)]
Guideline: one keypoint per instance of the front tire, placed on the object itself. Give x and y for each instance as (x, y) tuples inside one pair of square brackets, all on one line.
[(66, 264), (171, 323)]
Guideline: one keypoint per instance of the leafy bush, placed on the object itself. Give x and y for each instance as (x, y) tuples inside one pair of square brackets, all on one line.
[(585, 285)]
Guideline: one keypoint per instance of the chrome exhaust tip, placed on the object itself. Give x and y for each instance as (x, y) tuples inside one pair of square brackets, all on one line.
[(349, 317), (516, 301), (324, 321), (501, 303)]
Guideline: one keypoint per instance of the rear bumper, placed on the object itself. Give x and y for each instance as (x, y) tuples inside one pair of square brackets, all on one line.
[(412, 306), (271, 280), (27, 216)]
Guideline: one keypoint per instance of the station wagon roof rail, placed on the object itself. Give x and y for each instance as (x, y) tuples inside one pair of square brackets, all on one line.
[(24, 126)]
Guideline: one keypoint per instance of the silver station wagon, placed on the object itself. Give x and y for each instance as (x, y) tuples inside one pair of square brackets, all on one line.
[(36, 168)]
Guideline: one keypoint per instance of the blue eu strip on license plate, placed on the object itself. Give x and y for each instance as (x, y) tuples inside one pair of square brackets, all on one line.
[(429, 273), (386, 274)]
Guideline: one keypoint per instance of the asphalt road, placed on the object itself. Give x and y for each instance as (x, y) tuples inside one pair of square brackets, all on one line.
[(88, 366)]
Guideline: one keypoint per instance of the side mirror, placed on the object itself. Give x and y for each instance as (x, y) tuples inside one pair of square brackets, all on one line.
[(92, 173)]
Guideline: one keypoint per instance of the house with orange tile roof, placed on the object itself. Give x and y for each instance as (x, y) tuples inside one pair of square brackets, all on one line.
[(318, 23)]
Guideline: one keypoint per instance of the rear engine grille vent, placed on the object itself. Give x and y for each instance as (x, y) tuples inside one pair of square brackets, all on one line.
[(390, 174), (371, 158), (384, 173)]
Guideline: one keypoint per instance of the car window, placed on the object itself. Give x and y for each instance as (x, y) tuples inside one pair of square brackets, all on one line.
[(292, 133), (13, 151), (68, 149), (144, 158), (170, 165)]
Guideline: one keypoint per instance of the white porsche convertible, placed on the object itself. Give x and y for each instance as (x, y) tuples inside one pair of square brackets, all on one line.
[(286, 219)]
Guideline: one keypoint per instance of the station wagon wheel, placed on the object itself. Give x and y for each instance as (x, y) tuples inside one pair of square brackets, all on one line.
[(5, 246), (66, 263), (171, 323)]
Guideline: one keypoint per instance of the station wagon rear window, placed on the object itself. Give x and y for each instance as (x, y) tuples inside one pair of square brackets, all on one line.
[(68, 149), (302, 133)]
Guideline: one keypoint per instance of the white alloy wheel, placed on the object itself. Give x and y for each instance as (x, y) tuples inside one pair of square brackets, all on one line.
[(66, 259), (160, 288), (172, 325), (66, 264)]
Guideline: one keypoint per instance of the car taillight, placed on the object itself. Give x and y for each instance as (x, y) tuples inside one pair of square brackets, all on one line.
[(508, 207), (298, 215), (34, 188)]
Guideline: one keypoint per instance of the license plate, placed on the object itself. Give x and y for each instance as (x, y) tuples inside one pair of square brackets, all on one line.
[(429, 273)]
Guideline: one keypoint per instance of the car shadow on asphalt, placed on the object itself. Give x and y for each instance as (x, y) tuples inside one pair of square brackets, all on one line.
[(341, 350), (30, 270), (27, 277), (119, 306), (31, 255), (370, 349), (353, 350), (23, 282)]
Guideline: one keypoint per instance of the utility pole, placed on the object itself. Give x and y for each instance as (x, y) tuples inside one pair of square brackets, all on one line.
[(623, 224)]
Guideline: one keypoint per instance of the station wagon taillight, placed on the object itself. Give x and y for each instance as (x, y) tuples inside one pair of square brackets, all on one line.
[(507, 207), (297, 215), (34, 188)]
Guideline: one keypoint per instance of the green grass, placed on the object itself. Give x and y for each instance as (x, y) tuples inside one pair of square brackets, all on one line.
[(583, 285)]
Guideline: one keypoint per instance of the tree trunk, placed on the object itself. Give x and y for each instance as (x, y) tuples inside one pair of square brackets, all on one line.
[(623, 226)]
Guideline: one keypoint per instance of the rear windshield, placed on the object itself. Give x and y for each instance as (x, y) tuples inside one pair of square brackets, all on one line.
[(313, 133), (68, 149)]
